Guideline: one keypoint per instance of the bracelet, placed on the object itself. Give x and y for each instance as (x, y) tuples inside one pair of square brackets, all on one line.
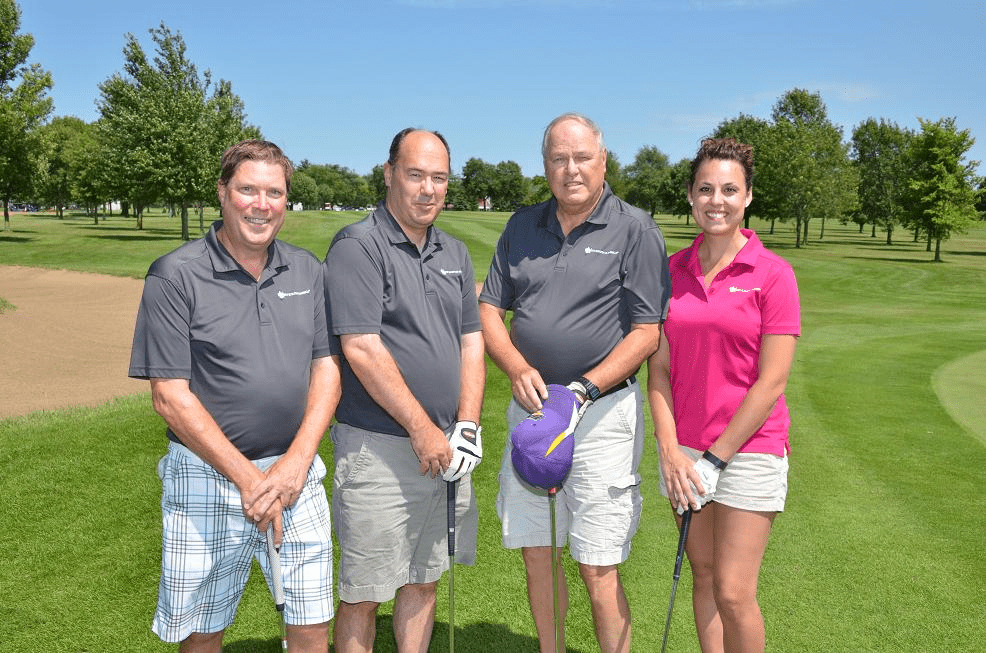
[(717, 462), (590, 388)]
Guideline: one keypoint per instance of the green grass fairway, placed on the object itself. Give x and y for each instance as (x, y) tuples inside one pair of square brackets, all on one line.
[(880, 548)]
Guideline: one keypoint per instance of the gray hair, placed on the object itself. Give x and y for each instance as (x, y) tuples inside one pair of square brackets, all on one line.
[(578, 117)]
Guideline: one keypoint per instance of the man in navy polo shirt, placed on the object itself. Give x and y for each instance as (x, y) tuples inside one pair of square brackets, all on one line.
[(402, 299), (231, 332), (586, 278)]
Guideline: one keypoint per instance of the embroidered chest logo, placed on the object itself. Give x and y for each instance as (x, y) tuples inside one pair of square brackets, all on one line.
[(589, 250), (448, 272), (281, 294), (735, 289)]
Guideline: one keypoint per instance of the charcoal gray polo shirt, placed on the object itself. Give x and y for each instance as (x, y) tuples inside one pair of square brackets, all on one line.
[(573, 299), (246, 347), (420, 303)]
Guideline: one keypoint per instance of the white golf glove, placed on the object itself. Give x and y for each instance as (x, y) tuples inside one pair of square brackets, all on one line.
[(467, 450), (582, 394), (709, 476)]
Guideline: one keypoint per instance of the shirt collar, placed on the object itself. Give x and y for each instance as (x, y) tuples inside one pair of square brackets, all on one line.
[(600, 214), (397, 236), (223, 261), (747, 255)]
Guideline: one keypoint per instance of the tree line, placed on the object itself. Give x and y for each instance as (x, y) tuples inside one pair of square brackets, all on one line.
[(163, 126)]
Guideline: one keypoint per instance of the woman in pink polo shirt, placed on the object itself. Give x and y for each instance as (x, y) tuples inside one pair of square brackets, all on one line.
[(716, 389)]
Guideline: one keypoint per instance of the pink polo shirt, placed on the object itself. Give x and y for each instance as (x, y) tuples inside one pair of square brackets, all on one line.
[(715, 335)]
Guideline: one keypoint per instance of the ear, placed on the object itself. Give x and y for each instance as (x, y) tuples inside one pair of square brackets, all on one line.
[(749, 197), (221, 192), (387, 173)]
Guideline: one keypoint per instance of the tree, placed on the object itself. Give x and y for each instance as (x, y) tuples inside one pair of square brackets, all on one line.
[(63, 137), (509, 187), (942, 189), (538, 190), (880, 150), (24, 108), (804, 169), (673, 190), (166, 126), (304, 190), (616, 175), (478, 181), (645, 178), (378, 185)]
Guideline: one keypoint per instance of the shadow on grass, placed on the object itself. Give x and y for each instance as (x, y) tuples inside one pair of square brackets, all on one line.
[(4, 238), (139, 237), (890, 259), (474, 638)]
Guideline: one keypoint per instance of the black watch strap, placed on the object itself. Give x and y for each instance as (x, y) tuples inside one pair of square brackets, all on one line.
[(590, 388), (717, 462)]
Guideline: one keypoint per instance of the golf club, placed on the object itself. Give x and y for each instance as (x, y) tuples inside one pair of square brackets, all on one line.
[(559, 627), (274, 556), (686, 520), (451, 487)]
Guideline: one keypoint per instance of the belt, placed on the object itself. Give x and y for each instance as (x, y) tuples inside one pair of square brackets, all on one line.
[(622, 385)]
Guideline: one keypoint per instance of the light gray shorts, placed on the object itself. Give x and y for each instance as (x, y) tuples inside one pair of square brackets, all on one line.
[(751, 481), (598, 506), (391, 522), (209, 546)]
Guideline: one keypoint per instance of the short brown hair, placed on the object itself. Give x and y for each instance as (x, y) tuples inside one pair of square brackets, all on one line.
[(724, 149), (254, 150)]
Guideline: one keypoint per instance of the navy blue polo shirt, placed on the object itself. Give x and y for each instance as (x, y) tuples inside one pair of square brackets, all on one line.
[(245, 346), (573, 299), (421, 303)]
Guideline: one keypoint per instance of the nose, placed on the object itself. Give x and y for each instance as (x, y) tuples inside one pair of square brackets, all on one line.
[(427, 186), (263, 202), (570, 166)]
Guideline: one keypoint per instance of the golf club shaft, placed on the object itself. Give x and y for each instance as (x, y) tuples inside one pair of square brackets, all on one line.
[(686, 520), (554, 573), (277, 580), (450, 501)]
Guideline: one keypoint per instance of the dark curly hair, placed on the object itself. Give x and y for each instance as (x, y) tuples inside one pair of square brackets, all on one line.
[(724, 149)]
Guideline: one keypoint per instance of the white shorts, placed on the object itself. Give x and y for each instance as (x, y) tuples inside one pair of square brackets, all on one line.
[(209, 546), (751, 481), (392, 522), (598, 506)]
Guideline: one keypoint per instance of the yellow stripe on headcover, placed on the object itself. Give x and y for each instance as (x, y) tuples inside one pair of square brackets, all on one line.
[(555, 443)]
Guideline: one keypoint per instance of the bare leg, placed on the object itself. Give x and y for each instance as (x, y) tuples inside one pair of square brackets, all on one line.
[(355, 627), (309, 639), (610, 610), (414, 617), (740, 543), (202, 643), (537, 561)]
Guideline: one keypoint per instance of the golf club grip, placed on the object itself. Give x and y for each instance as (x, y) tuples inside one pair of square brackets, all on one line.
[(686, 520), (450, 489), (274, 556)]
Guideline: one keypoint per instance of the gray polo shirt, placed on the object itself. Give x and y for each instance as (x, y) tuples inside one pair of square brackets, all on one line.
[(245, 346), (420, 303), (573, 299)]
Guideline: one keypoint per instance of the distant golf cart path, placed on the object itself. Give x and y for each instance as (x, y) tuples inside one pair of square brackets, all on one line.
[(67, 340)]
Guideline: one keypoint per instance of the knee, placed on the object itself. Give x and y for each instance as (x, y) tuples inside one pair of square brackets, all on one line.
[(734, 597), (361, 610), (599, 578)]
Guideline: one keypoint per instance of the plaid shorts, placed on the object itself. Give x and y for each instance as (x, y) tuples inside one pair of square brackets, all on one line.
[(209, 546)]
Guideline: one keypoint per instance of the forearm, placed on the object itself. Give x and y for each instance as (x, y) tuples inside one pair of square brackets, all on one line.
[(195, 427), (472, 378), (626, 357)]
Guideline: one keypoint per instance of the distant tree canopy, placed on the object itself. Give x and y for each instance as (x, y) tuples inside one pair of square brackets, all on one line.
[(163, 127), (24, 108)]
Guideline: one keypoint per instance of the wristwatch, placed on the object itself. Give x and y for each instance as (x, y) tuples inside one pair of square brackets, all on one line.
[(591, 390)]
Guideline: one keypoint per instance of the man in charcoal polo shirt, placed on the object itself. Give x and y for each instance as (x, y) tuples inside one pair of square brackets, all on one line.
[(231, 332), (402, 299), (586, 277)]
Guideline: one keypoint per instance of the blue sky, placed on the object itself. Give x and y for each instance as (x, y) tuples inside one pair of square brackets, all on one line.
[(333, 81)]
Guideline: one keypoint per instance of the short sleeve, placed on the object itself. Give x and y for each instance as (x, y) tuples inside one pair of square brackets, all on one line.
[(354, 282), (161, 347)]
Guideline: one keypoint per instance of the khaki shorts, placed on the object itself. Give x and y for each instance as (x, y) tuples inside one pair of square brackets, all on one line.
[(392, 522), (751, 481), (598, 506)]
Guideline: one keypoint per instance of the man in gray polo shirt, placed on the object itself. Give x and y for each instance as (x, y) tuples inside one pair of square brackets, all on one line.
[(402, 299), (586, 277), (231, 332)]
